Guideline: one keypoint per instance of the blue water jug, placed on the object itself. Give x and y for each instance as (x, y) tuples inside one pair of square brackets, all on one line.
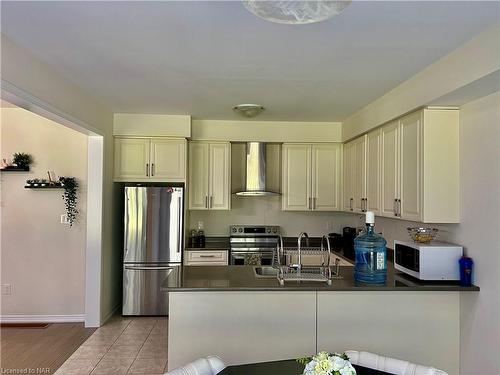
[(371, 255)]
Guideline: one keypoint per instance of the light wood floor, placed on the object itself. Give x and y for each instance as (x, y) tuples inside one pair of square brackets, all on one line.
[(40, 348), (121, 346)]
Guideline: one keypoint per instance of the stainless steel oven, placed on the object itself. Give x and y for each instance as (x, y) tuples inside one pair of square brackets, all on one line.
[(253, 244)]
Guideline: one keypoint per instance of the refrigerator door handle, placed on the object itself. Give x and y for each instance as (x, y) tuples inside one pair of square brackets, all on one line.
[(138, 268), (180, 225)]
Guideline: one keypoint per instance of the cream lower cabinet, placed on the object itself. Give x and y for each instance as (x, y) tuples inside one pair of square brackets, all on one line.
[(206, 257), (209, 175), (420, 167), (311, 176), (150, 159)]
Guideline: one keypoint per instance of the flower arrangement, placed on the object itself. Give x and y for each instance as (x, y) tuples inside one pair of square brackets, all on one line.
[(327, 364)]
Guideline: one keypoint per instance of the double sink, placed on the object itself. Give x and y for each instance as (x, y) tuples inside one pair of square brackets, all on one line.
[(270, 271)]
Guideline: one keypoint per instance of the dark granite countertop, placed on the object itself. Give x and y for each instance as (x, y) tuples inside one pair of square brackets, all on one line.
[(211, 246), (243, 278)]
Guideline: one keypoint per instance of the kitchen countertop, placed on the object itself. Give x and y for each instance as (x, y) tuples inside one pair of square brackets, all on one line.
[(242, 278), (208, 247)]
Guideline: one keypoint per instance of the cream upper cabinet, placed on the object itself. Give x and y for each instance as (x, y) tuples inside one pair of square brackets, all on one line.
[(361, 173), (390, 169), (420, 167), (311, 175), (209, 175), (348, 177), (132, 158), (168, 159), (296, 177), (326, 172), (150, 159), (359, 180), (373, 165), (401, 168), (198, 175), (409, 204), (219, 176)]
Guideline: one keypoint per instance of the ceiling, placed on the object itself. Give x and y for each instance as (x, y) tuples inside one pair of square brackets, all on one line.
[(202, 58)]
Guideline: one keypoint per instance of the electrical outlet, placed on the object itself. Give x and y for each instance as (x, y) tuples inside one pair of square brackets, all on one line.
[(6, 289), (64, 219)]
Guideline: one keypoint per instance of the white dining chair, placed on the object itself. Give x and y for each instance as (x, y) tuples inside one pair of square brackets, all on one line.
[(391, 365), (203, 366)]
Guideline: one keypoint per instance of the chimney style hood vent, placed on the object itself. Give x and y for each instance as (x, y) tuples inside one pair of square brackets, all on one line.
[(255, 180)]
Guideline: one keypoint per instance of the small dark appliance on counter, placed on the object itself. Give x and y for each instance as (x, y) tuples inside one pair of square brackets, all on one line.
[(348, 236)]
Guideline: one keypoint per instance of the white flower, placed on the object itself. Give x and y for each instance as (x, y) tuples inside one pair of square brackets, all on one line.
[(326, 364), (321, 356), (323, 366), (347, 370), (338, 363)]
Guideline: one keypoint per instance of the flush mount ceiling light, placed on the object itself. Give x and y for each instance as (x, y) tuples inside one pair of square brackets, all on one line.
[(295, 12), (249, 110)]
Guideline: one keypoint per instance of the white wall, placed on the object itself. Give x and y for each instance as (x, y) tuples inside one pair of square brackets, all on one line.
[(467, 64), (42, 260), (479, 233), (22, 70)]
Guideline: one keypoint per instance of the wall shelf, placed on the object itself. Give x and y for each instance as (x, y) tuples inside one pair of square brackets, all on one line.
[(15, 170), (43, 187)]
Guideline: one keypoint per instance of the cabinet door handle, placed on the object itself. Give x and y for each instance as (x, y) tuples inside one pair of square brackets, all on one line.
[(206, 201), (210, 201), (350, 203), (152, 169), (207, 256), (309, 203), (147, 169), (366, 204), (399, 207), (314, 203), (395, 207)]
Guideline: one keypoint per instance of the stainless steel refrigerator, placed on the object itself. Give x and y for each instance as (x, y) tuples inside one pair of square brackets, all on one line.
[(152, 247)]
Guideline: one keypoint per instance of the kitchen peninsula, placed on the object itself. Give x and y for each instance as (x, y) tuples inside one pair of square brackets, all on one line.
[(243, 317)]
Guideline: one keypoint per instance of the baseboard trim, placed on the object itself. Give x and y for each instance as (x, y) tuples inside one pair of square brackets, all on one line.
[(75, 318), (111, 313)]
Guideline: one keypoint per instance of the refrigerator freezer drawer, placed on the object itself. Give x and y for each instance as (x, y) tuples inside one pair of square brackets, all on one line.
[(142, 294)]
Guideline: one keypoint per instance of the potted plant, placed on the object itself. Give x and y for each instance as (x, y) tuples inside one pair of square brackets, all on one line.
[(70, 197), (22, 160)]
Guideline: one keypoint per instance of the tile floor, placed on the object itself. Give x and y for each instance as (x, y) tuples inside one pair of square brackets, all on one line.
[(122, 346)]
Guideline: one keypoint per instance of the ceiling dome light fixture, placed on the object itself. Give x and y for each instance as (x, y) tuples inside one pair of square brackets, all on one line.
[(249, 110), (295, 12)]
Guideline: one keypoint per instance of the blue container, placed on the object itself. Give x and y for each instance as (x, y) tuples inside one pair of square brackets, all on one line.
[(371, 255), (466, 265)]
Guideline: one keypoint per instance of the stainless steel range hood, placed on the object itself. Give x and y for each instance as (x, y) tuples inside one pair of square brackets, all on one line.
[(255, 180)]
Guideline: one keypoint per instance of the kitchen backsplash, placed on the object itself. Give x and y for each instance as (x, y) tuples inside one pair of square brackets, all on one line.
[(267, 211)]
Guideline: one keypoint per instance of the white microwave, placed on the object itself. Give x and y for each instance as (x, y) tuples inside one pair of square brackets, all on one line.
[(432, 261)]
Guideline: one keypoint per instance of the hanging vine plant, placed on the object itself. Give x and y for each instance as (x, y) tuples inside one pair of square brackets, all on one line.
[(70, 197)]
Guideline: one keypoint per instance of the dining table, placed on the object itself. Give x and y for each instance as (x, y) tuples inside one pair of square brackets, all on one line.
[(284, 367)]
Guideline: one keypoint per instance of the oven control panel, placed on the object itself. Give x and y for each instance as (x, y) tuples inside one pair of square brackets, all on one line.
[(254, 230)]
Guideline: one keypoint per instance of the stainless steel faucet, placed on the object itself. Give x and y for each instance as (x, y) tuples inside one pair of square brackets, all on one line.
[(299, 262)]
